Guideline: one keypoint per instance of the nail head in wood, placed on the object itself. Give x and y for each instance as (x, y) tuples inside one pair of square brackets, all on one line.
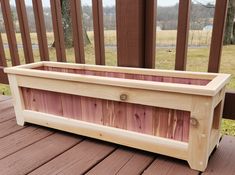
[(194, 122), (123, 97)]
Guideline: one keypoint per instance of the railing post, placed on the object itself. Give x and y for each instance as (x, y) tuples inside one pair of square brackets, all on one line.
[(150, 33), (41, 30), (76, 13), (24, 29), (9, 26), (217, 35), (182, 34), (58, 30), (3, 63), (136, 33), (97, 8)]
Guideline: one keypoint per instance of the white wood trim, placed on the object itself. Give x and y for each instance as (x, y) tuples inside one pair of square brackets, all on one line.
[(157, 72), (17, 99), (136, 140), (140, 84), (138, 96)]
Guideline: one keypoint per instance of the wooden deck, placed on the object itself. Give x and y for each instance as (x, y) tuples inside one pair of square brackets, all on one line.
[(38, 150)]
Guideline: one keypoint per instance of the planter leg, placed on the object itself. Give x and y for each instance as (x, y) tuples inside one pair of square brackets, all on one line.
[(200, 131), (17, 99)]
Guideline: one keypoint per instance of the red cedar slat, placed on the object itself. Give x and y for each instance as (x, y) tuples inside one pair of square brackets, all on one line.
[(150, 33), (217, 35), (9, 26), (76, 12), (24, 29), (182, 34), (97, 8), (58, 30), (41, 30)]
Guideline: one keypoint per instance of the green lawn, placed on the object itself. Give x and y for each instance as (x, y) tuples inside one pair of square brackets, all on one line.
[(197, 59)]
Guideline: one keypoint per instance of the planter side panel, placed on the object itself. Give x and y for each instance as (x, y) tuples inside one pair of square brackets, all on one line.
[(191, 81), (163, 122)]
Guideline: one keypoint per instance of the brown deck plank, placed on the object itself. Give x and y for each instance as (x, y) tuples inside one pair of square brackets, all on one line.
[(7, 114), (222, 161), (123, 161), (37, 154), (169, 166), (78, 159), (9, 127), (21, 139), (6, 103), (4, 97)]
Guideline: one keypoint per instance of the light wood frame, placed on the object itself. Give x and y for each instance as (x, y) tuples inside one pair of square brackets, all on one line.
[(199, 100)]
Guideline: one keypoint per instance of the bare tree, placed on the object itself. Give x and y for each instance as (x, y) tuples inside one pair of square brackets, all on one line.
[(229, 35), (67, 25)]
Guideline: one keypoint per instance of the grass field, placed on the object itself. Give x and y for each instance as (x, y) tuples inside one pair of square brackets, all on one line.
[(197, 57)]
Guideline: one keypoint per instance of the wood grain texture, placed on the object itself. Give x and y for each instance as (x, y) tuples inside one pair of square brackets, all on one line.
[(77, 160), (37, 154), (123, 161), (21, 139), (130, 33), (25, 32), (168, 123), (9, 127), (97, 10), (58, 30), (77, 27), (7, 114), (3, 61), (182, 34), (222, 160), (169, 166), (190, 81), (41, 30), (217, 35), (150, 33), (9, 26)]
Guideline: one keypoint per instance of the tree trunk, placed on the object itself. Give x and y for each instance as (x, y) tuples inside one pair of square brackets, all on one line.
[(67, 26), (229, 28), (67, 23)]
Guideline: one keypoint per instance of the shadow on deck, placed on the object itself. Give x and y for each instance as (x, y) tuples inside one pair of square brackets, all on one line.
[(38, 150)]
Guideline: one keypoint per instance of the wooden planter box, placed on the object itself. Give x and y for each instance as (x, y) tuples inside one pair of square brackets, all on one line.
[(173, 113)]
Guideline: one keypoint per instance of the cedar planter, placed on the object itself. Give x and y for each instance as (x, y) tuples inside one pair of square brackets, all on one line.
[(168, 112)]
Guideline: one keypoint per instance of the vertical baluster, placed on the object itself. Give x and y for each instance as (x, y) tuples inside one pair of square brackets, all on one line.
[(41, 30), (58, 30), (24, 29), (9, 26), (217, 35), (182, 34), (76, 13), (97, 8)]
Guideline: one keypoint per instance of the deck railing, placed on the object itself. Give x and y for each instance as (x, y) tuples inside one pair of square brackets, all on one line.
[(136, 35)]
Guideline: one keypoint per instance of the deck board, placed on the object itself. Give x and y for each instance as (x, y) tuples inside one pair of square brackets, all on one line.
[(123, 160), (169, 166), (7, 114), (37, 154), (37, 150), (222, 160), (78, 159), (22, 139)]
